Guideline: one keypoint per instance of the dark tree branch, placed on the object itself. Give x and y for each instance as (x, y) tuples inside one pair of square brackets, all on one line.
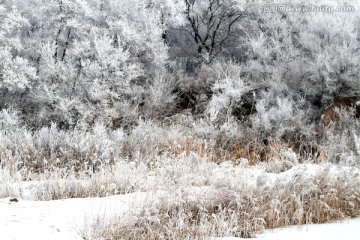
[(212, 28)]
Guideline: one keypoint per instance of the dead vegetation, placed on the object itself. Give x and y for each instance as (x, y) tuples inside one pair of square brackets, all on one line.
[(241, 211)]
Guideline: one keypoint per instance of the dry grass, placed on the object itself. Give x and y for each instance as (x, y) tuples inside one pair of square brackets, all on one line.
[(218, 195), (256, 151), (241, 211), (189, 145), (50, 149), (221, 152)]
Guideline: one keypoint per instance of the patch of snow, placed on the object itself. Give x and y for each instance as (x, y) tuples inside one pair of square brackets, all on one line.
[(60, 219), (348, 229), (68, 219)]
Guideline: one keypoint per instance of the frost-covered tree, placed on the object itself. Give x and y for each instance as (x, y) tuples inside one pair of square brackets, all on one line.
[(306, 56), (81, 61), (332, 43), (228, 90), (208, 27), (16, 72), (92, 62)]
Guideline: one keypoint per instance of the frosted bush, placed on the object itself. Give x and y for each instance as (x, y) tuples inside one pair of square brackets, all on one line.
[(357, 143), (148, 140), (290, 155), (9, 120), (340, 139), (161, 100), (274, 119), (228, 90)]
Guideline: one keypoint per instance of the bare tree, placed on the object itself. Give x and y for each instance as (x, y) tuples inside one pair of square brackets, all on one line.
[(211, 24)]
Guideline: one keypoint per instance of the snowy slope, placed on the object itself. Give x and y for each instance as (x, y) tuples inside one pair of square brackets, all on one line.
[(68, 219), (347, 229), (60, 219), (73, 218)]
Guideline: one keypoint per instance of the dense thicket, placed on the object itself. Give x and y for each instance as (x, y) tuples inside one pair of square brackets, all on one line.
[(223, 63)]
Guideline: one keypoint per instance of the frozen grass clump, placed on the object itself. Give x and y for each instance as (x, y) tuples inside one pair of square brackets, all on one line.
[(229, 206)]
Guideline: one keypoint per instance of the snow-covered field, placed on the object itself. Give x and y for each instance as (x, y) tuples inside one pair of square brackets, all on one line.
[(60, 219), (186, 119), (347, 229), (68, 219), (23, 218)]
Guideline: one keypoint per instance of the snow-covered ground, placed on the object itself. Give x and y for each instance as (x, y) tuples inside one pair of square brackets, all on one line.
[(69, 219), (60, 219), (347, 229), (23, 218)]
